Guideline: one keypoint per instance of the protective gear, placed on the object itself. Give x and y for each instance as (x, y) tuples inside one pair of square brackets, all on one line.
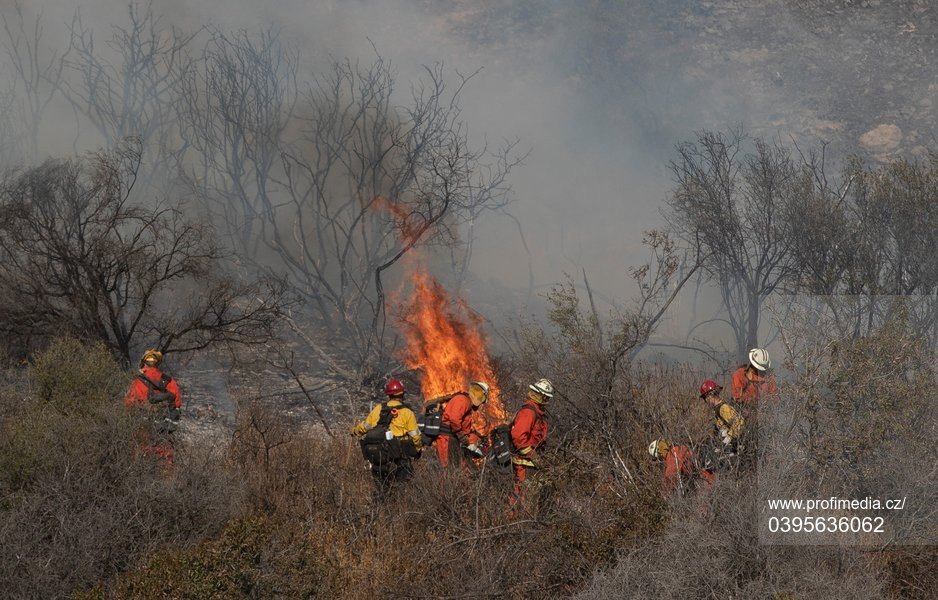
[(543, 387), (158, 393), (473, 449), (153, 388), (479, 385), (708, 386), (682, 472), (151, 357), (457, 426), (528, 433), (529, 428), (750, 385), (393, 459), (658, 448), (403, 421), (395, 387), (759, 358), (729, 423)]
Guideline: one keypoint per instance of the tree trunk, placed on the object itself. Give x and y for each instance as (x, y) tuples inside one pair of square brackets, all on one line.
[(752, 322)]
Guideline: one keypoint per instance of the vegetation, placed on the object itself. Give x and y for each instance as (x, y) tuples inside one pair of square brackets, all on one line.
[(275, 512), (305, 196)]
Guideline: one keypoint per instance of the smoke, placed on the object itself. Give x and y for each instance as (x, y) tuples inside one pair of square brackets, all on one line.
[(599, 92)]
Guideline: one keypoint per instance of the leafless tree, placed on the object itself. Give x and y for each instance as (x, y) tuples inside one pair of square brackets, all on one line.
[(867, 238), (732, 201), (234, 108), (76, 257), (37, 70), (590, 358), (369, 181), (334, 185), (128, 87)]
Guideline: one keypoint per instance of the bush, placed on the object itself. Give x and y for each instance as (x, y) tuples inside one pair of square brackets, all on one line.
[(711, 549), (80, 502), (285, 512)]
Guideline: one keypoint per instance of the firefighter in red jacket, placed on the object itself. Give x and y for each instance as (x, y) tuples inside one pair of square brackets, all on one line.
[(458, 431), (157, 392), (681, 469), (750, 382), (528, 433), (152, 386)]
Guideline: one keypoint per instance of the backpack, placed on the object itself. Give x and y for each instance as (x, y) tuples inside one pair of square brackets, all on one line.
[(379, 447), (157, 394), (502, 444), (430, 423), (156, 391)]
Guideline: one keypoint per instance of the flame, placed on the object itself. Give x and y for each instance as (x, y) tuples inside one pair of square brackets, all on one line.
[(444, 340), (408, 231)]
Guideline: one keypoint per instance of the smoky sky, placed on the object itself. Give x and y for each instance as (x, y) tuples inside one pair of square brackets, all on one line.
[(600, 92)]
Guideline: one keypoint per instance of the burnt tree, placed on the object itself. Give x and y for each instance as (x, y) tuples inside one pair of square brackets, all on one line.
[(731, 199), (76, 257), (334, 182)]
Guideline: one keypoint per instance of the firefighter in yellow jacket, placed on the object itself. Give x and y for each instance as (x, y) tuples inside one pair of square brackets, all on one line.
[(727, 421), (390, 439)]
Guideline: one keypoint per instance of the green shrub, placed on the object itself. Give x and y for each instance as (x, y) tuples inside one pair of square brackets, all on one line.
[(74, 378), (81, 502)]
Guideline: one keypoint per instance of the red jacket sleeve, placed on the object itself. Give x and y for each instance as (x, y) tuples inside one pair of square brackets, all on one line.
[(136, 394), (173, 388), (739, 383)]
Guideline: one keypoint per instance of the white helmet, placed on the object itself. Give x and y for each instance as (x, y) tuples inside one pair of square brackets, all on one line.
[(658, 447), (543, 387), (759, 358)]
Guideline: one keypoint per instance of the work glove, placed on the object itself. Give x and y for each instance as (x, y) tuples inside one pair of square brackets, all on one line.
[(475, 450), (725, 436)]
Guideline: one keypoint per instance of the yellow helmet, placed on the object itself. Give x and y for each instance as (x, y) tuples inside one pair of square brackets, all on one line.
[(479, 390), (151, 357)]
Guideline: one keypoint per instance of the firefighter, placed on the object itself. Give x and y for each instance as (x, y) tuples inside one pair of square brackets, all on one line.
[(457, 431), (682, 470), (156, 391), (389, 437), (528, 433), (728, 422), (750, 381)]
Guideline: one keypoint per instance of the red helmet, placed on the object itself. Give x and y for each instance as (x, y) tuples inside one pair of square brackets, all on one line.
[(708, 386), (395, 387)]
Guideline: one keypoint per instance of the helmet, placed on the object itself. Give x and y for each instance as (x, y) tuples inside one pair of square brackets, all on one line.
[(543, 387), (759, 358), (482, 386), (708, 386), (395, 387), (151, 357), (658, 448)]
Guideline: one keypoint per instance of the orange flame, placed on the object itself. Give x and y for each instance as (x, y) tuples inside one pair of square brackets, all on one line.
[(444, 340), (408, 231)]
